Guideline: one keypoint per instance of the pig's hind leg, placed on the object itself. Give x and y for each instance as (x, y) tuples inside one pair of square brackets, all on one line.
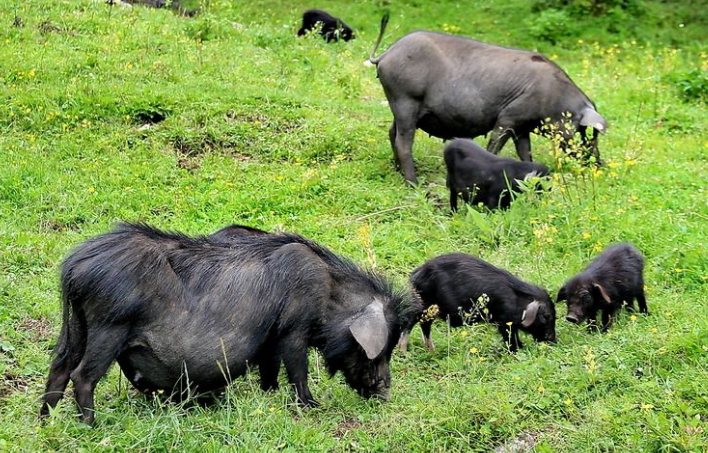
[(102, 348), (65, 362)]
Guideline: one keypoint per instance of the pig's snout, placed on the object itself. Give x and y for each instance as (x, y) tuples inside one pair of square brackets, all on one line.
[(572, 318), (383, 394)]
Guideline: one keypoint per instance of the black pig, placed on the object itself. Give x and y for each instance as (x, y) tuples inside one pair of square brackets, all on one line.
[(332, 28), (611, 279), (450, 86), (456, 281), (489, 177), (188, 314)]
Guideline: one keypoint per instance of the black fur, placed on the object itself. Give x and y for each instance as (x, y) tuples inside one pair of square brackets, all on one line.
[(188, 314), (471, 168), (454, 282), (616, 273), (230, 232), (332, 28)]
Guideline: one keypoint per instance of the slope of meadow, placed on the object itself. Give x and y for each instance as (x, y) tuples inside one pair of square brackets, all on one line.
[(111, 114)]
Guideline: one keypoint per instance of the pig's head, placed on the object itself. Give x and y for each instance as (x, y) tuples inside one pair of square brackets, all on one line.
[(584, 297), (360, 346), (539, 318), (346, 33)]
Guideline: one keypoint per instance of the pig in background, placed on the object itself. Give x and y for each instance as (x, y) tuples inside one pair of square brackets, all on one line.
[(450, 87), (613, 278), (332, 28), (456, 281), (489, 178), (188, 314)]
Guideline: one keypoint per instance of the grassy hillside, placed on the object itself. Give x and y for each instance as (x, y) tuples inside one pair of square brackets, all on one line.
[(111, 114)]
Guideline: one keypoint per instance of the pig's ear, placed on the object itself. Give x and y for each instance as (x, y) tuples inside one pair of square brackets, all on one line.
[(598, 288), (593, 119), (529, 315), (562, 294), (370, 329)]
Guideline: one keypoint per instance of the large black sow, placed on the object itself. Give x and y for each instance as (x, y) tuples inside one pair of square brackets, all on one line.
[(188, 314)]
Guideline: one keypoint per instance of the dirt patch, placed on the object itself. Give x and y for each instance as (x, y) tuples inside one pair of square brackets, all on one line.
[(10, 383), (344, 427), (60, 225), (188, 164), (523, 443), (39, 328), (194, 147), (47, 26), (240, 157), (258, 120)]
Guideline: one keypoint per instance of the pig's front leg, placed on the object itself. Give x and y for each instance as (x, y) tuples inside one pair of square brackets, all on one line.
[(294, 354)]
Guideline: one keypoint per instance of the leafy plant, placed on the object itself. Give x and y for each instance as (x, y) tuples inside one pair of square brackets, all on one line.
[(581, 8), (551, 25), (693, 86)]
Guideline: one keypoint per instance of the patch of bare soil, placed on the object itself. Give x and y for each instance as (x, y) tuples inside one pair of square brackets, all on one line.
[(9, 383), (344, 427), (523, 443), (39, 328)]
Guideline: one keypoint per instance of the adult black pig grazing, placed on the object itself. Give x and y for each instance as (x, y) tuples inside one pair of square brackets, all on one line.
[(187, 315), (332, 28), (490, 178), (451, 86), (456, 281), (611, 279)]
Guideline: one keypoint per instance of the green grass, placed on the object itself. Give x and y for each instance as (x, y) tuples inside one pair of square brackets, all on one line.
[(290, 134)]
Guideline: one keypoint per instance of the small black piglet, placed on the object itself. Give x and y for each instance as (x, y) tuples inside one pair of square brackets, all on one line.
[(332, 28), (471, 168), (468, 289), (613, 278)]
